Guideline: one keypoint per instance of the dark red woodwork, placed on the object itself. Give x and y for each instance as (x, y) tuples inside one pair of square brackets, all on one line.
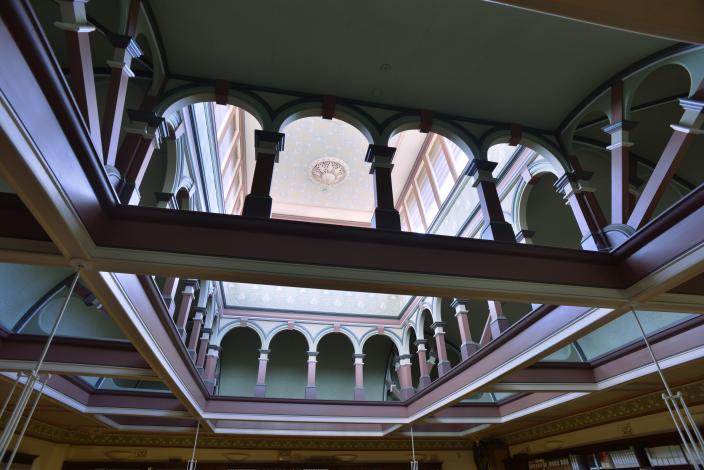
[(386, 217), (426, 121), (222, 89), (496, 227), (585, 208), (328, 106), (267, 145), (516, 134)]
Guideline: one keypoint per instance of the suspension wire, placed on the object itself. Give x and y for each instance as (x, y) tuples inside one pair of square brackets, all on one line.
[(9, 396), (26, 423), (414, 462), (193, 461), (685, 425), (14, 420)]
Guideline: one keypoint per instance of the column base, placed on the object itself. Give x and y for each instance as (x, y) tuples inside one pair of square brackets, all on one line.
[(386, 219), (499, 231), (359, 393), (210, 385), (444, 367), (498, 326), (192, 354), (468, 348), (257, 206), (310, 392), (260, 390), (424, 381), (407, 393)]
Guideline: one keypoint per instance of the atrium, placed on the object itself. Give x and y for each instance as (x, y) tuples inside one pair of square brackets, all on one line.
[(351, 235)]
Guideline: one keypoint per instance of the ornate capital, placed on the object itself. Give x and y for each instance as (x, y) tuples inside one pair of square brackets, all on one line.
[(269, 142), (480, 170), (380, 156)]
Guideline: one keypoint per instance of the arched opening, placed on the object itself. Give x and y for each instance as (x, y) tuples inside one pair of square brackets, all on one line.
[(549, 216), (427, 167), (335, 369), (655, 106), (239, 362), (286, 375), (380, 361), (322, 176)]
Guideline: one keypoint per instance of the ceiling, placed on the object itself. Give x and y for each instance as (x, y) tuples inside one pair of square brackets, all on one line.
[(469, 58)]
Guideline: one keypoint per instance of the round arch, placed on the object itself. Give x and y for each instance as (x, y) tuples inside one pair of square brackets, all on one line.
[(344, 331), (546, 149), (335, 369), (286, 375), (239, 360), (380, 353), (348, 115), (521, 194), (459, 136), (281, 328), (227, 328)]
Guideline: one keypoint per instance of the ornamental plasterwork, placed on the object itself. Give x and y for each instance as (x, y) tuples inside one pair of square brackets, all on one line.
[(328, 171), (648, 404)]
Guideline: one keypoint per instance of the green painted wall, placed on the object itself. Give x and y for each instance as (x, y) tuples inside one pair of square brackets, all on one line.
[(335, 369), (286, 375), (239, 361)]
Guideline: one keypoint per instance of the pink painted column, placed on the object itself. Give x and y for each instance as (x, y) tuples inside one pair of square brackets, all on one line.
[(211, 363), (424, 379), (498, 322), (358, 376), (468, 347), (203, 349), (198, 318), (443, 364), (260, 387), (169, 293), (404, 376), (312, 362), (184, 309)]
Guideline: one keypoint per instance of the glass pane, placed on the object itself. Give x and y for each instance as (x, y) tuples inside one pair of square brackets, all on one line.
[(427, 196), (414, 214), (458, 156), (441, 170)]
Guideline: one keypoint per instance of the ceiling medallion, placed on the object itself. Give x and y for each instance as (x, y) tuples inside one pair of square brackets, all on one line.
[(328, 171)]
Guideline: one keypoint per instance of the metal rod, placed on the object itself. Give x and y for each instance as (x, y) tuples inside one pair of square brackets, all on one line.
[(9, 396), (652, 354), (26, 423), (14, 420), (192, 462)]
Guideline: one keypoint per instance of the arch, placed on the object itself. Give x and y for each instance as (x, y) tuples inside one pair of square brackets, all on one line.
[(239, 361), (552, 220), (673, 77), (463, 139), (180, 97), (380, 352), (335, 369), (548, 150), (303, 109), (398, 343), (286, 375), (537, 170), (344, 331), (272, 334), (236, 323)]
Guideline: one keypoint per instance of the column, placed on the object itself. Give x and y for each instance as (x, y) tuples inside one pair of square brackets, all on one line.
[(579, 196), (386, 217), (169, 293), (143, 136), (404, 376), (424, 379), (358, 376), (126, 48), (184, 309), (498, 323), (496, 228), (75, 24), (211, 363), (443, 364), (198, 318), (203, 348), (312, 362), (468, 347), (260, 387), (267, 146), (620, 166)]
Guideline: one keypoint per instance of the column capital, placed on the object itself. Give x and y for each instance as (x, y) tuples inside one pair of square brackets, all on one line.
[(312, 356), (574, 182), (146, 124), (691, 121), (358, 355), (201, 310), (128, 43), (264, 351), (73, 14), (623, 125), (460, 305), (380, 156), (437, 324), (480, 170), (269, 142), (421, 342)]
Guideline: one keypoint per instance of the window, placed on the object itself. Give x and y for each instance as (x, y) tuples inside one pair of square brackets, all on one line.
[(427, 195), (414, 217), (441, 171)]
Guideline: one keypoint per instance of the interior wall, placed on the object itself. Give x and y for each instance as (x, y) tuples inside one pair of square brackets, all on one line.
[(377, 349), (239, 363), (547, 214), (286, 374), (335, 369)]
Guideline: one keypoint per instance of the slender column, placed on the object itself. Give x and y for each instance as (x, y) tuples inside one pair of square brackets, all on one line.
[(496, 227), (620, 165), (358, 376), (575, 190), (498, 322), (386, 217), (312, 362), (404, 376), (211, 363), (267, 146), (143, 136), (424, 379), (198, 318), (468, 346), (443, 364), (260, 387), (169, 293), (126, 49), (76, 27), (184, 309), (684, 133)]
